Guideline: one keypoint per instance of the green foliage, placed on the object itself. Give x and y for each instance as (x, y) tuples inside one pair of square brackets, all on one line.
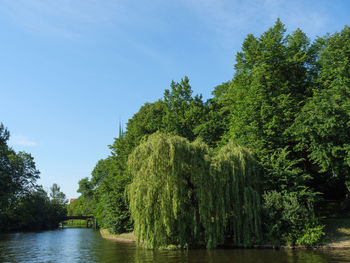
[(311, 235), (288, 216), (238, 184), (82, 206), (273, 77), (283, 173), (24, 205), (85, 187), (57, 196), (289, 101), (33, 211), (179, 196), (322, 127), (112, 211), (216, 118), (177, 113), (183, 112), (163, 201)]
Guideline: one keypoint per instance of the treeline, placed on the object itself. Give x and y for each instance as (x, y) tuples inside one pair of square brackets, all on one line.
[(251, 165), (24, 205)]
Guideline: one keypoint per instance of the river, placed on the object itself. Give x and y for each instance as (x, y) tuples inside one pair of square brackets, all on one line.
[(86, 245)]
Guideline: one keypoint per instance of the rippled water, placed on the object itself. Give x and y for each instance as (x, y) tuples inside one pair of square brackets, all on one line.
[(86, 245)]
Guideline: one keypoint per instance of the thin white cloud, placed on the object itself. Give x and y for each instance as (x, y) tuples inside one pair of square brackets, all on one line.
[(62, 18), (20, 140), (229, 18), (226, 20), (307, 16)]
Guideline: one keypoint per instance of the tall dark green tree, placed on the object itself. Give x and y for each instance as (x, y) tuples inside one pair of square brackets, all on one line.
[(215, 120), (322, 127), (112, 210), (183, 112), (273, 76)]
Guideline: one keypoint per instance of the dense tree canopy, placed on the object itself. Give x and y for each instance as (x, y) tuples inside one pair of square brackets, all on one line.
[(322, 127), (273, 77), (246, 165), (24, 205)]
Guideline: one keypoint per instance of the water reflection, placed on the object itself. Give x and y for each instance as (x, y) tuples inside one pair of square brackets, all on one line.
[(86, 245)]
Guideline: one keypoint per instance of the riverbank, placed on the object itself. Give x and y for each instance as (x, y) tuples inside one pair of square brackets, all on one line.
[(337, 233), (337, 236), (124, 237)]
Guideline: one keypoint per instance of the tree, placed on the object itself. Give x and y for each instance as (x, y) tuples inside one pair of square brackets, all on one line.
[(181, 195), (24, 205), (165, 194), (178, 113), (322, 127), (238, 178), (112, 209), (85, 187), (57, 196), (183, 112), (216, 117), (273, 76), (5, 174), (18, 176)]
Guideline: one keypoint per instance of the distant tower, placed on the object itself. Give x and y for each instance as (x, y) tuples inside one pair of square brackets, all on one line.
[(121, 132)]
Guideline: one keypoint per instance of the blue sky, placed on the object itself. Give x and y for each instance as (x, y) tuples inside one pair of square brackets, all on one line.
[(71, 70)]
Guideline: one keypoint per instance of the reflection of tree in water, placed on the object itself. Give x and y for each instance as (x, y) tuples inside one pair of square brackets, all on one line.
[(161, 255), (237, 256), (109, 251), (240, 256), (307, 256)]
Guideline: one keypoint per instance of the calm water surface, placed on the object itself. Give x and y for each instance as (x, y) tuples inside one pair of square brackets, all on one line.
[(86, 245)]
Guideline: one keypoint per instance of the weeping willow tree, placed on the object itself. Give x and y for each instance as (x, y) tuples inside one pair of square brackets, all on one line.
[(235, 169), (170, 195), (181, 195)]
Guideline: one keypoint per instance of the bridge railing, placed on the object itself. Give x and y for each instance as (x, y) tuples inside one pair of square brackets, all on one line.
[(88, 219)]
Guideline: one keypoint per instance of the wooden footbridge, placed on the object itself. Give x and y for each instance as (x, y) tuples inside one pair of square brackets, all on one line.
[(90, 220)]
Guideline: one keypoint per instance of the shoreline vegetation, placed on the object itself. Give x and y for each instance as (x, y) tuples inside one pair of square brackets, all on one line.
[(24, 204), (337, 237), (265, 160)]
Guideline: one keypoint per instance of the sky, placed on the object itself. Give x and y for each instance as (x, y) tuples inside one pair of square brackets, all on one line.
[(72, 70)]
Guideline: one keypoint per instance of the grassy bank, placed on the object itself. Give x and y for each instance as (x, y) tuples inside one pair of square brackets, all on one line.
[(337, 232), (124, 237)]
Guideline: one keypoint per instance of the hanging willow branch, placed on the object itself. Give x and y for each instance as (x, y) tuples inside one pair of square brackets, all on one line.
[(237, 172), (178, 198), (162, 195)]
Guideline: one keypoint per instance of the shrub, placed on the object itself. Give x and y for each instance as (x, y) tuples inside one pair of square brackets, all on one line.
[(289, 219), (311, 234)]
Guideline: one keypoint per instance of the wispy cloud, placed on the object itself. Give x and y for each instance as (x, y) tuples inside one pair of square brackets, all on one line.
[(230, 17), (224, 21), (20, 140), (63, 18), (310, 17)]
